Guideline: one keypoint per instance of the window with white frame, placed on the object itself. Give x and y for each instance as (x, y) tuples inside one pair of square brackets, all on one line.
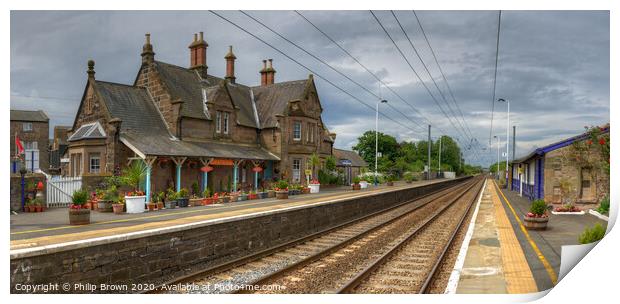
[(226, 116), (27, 126), (95, 163), (297, 130), (218, 122), (296, 170)]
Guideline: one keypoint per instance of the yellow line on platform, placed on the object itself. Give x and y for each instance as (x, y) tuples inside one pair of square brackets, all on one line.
[(541, 256)]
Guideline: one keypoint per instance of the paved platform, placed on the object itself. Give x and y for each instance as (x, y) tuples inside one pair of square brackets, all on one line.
[(504, 257), (51, 227)]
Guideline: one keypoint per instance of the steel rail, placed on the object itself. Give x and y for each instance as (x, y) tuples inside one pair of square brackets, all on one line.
[(350, 285)]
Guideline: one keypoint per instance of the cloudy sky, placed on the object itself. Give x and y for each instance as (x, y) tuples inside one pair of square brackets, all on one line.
[(553, 66)]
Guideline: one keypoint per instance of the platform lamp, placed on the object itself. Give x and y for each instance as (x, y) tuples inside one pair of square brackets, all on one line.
[(507, 133), (377, 138)]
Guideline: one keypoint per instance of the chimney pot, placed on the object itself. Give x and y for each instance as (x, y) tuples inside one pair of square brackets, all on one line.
[(230, 65), (148, 55), (198, 55)]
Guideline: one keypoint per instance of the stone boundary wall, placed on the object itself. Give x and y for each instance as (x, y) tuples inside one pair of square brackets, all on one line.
[(163, 256)]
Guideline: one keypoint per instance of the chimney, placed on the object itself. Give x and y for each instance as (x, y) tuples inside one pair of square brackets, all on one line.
[(148, 56), (91, 69), (271, 73), (230, 65), (198, 55), (263, 74)]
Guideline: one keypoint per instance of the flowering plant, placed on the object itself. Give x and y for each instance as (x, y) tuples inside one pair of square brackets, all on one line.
[(315, 182), (135, 193), (568, 208)]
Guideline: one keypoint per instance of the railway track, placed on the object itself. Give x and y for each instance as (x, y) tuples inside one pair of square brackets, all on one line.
[(347, 269), (259, 267)]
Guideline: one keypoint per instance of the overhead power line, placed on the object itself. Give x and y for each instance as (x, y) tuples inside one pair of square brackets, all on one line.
[(308, 69), (499, 26)]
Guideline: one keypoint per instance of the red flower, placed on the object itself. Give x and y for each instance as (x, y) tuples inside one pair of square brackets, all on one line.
[(601, 141), (589, 142)]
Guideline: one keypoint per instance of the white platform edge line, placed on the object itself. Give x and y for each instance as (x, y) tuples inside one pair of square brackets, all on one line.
[(453, 281)]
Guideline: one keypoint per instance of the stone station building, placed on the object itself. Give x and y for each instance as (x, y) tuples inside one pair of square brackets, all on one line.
[(189, 126)]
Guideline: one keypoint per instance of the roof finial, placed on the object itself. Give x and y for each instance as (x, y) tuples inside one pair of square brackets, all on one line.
[(91, 69)]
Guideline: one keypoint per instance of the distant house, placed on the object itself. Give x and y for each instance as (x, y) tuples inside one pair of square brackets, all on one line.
[(539, 174), (349, 163), (58, 147), (32, 129)]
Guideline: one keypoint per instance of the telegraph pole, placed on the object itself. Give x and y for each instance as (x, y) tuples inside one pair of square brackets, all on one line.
[(439, 152), (429, 152), (514, 141)]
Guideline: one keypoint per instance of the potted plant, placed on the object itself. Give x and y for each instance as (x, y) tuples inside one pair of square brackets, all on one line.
[(243, 196), (281, 189), (363, 182), (408, 177), (183, 198), (151, 205), (109, 196), (356, 184), (262, 194), (315, 186), (118, 207), (537, 218), (390, 179), (161, 197), (206, 197), (133, 177), (305, 190), (252, 195), (171, 199), (78, 215), (29, 207), (224, 198)]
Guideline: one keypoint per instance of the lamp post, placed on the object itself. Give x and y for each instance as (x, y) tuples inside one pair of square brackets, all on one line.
[(497, 137), (507, 134), (377, 138)]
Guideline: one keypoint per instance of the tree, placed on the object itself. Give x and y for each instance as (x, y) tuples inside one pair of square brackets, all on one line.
[(387, 146)]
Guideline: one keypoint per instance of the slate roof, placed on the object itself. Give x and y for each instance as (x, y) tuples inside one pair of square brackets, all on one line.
[(356, 160), (23, 115), (558, 145), (144, 130), (273, 99)]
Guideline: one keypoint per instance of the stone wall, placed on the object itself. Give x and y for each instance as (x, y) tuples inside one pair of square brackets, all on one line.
[(158, 257), (16, 188)]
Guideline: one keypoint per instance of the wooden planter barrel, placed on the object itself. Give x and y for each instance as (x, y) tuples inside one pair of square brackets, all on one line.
[(79, 216), (104, 206), (282, 194), (535, 223), (356, 187)]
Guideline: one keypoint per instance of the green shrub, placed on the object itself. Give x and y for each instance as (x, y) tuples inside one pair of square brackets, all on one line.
[(183, 193), (356, 180), (538, 207), (408, 177), (111, 194), (206, 193), (195, 188), (171, 195), (327, 178), (591, 235), (603, 208), (281, 184), (80, 197)]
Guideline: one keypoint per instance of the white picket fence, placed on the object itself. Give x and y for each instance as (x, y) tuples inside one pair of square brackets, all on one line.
[(60, 189)]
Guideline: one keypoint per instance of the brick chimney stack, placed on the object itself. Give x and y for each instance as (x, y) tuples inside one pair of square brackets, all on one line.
[(267, 74), (263, 74), (148, 56), (198, 55), (230, 65)]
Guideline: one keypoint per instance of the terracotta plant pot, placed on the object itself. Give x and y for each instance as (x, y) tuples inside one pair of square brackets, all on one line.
[(38, 208), (118, 208), (207, 201), (151, 206), (79, 216), (305, 190), (252, 196), (282, 194), (390, 183), (356, 187), (535, 223), (195, 202)]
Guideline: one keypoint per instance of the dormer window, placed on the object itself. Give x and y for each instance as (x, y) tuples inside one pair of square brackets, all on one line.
[(226, 122)]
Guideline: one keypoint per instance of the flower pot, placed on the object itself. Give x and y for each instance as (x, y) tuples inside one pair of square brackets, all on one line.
[(92, 204), (271, 193), (29, 208), (356, 186), (314, 188), (79, 216), (282, 194), (225, 199), (535, 223), (195, 202), (252, 196), (104, 206), (151, 206), (363, 184), (390, 183), (243, 197), (305, 190), (171, 204), (207, 201), (38, 208), (118, 208), (160, 205), (262, 195), (183, 202), (135, 204)]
